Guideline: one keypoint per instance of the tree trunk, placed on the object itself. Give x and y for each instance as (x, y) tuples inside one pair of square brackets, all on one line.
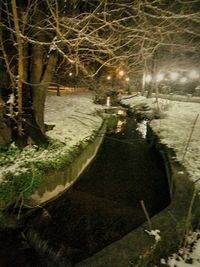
[(40, 91), (5, 132), (153, 83), (20, 65)]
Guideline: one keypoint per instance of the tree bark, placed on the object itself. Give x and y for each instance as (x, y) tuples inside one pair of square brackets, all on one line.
[(5, 132), (40, 90), (153, 83), (20, 65)]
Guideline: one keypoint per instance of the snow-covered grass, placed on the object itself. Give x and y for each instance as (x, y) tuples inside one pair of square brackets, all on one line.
[(76, 119), (178, 126), (189, 255)]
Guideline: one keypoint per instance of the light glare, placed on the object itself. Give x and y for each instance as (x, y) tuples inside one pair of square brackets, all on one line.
[(194, 74), (121, 73), (148, 78), (174, 76), (183, 80), (159, 77)]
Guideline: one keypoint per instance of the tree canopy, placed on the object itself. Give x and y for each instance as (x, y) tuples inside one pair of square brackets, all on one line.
[(39, 37)]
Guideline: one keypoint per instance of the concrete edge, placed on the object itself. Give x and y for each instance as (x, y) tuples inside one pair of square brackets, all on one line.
[(138, 248), (56, 182)]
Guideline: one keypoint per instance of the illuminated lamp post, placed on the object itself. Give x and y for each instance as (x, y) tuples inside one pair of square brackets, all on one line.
[(127, 79), (111, 80), (121, 73)]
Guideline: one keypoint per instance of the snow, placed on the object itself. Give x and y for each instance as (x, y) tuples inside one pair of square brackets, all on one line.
[(155, 234), (178, 128), (76, 118), (177, 124), (186, 257)]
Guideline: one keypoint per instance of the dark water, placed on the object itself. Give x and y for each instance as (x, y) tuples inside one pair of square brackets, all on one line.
[(101, 207)]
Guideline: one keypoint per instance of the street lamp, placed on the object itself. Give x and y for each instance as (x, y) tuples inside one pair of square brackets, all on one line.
[(121, 73)]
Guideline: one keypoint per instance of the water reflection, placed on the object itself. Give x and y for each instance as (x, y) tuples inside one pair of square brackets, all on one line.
[(120, 125), (142, 128)]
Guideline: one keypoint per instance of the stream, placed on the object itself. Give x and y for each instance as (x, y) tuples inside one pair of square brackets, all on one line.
[(99, 209)]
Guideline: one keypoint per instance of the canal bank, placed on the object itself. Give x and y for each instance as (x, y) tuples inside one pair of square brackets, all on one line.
[(140, 247), (105, 202), (75, 120), (126, 251), (55, 182), (103, 206)]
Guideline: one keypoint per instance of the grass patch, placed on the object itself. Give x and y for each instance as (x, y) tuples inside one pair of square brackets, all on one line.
[(22, 171), (18, 188), (112, 123)]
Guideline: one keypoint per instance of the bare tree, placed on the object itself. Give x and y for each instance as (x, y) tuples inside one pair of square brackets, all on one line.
[(87, 36), (38, 32)]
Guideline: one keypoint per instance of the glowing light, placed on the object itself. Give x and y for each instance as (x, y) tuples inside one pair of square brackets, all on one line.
[(148, 78), (121, 73), (108, 78), (70, 74), (127, 79), (194, 74), (108, 101), (120, 125), (173, 76), (159, 77), (183, 80)]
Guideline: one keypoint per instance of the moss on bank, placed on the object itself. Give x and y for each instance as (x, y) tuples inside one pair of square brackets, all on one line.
[(24, 170)]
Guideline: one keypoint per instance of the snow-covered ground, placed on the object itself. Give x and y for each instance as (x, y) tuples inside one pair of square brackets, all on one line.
[(75, 118), (178, 128), (188, 256)]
